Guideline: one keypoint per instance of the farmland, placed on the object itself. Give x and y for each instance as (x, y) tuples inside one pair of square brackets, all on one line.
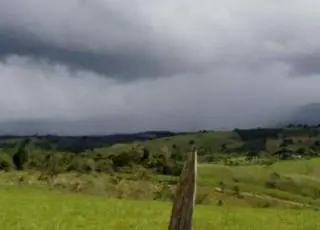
[(247, 179)]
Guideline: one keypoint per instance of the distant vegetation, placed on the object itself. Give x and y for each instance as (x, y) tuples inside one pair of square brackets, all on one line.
[(243, 166), (158, 152)]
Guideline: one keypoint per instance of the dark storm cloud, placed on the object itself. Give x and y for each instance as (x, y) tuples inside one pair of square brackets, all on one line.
[(140, 39), (209, 64), (127, 66)]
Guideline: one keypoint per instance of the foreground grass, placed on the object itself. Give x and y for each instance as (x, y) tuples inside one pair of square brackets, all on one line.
[(40, 209)]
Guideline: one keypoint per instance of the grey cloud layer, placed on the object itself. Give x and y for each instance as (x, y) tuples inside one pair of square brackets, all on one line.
[(143, 38), (199, 64), (106, 37)]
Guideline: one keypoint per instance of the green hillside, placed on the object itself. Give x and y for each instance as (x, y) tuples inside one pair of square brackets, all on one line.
[(247, 168), (247, 179)]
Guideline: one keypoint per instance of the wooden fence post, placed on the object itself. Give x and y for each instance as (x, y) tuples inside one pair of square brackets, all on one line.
[(184, 200)]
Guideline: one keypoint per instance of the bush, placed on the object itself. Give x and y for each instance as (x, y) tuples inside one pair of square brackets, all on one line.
[(272, 181), (160, 164), (104, 166), (82, 165), (236, 190), (286, 142), (20, 158), (172, 168), (165, 193), (125, 159), (5, 162)]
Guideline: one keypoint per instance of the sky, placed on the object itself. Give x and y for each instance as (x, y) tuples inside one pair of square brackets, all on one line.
[(105, 66)]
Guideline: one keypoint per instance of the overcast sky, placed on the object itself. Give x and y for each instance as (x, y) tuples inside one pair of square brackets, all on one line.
[(104, 66)]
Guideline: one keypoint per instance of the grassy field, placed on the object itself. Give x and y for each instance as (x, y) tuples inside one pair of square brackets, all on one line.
[(243, 194), (32, 205), (297, 181), (40, 209), (294, 183)]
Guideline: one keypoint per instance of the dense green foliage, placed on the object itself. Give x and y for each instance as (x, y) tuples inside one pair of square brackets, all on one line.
[(160, 153)]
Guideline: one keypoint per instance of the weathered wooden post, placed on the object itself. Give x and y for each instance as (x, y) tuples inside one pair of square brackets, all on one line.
[(184, 200)]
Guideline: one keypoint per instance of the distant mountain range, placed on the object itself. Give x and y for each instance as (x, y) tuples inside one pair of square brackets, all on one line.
[(307, 114), (90, 127)]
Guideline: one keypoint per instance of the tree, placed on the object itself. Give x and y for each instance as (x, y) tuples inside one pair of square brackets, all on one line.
[(286, 142), (191, 142), (223, 147), (21, 155), (145, 155)]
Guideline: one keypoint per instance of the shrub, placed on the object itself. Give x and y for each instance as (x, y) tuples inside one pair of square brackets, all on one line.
[(104, 166), (82, 165), (125, 159), (236, 190), (272, 181), (165, 193), (5, 162), (286, 143), (20, 157)]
